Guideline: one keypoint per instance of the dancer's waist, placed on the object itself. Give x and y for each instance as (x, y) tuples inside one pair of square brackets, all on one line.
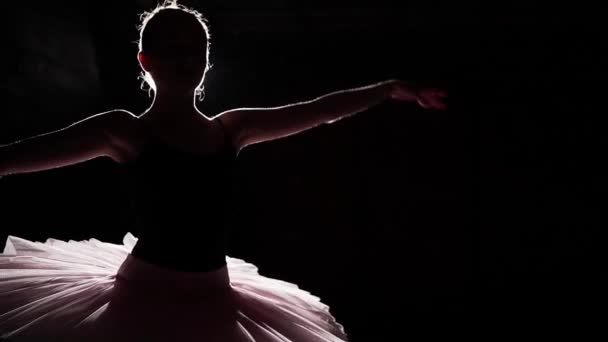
[(137, 270), (186, 251)]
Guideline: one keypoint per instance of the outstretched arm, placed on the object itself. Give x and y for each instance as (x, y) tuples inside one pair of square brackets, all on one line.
[(263, 124), (81, 141)]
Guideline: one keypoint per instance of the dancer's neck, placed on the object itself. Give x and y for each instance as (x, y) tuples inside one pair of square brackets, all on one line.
[(172, 106)]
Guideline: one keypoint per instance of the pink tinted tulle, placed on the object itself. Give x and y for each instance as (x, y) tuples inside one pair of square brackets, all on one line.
[(94, 290)]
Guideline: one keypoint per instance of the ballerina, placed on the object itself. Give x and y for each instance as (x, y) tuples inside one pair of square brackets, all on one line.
[(174, 281)]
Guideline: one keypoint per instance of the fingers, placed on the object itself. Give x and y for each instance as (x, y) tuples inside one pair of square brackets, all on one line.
[(424, 103), (436, 92), (434, 98), (431, 102), (441, 105), (440, 93)]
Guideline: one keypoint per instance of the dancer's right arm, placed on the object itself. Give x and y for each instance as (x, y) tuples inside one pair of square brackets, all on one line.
[(81, 141)]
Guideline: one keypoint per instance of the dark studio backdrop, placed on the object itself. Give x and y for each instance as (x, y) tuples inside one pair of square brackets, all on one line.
[(390, 216)]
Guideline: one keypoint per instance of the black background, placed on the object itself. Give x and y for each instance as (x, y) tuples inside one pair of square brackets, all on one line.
[(491, 209)]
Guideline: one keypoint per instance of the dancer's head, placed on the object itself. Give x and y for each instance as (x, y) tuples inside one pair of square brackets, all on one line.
[(174, 48)]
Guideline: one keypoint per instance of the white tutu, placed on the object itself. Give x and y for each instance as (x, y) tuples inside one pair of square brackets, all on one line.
[(94, 290)]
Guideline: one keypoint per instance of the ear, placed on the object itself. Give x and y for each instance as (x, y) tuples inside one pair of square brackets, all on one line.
[(143, 61)]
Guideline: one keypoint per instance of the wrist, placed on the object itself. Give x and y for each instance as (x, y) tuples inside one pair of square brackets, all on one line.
[(391, 87), (402, 91)]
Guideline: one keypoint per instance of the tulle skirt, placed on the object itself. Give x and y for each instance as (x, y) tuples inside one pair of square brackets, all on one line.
[(97, 291)]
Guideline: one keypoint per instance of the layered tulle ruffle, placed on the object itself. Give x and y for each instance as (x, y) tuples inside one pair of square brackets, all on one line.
[(88, 290)]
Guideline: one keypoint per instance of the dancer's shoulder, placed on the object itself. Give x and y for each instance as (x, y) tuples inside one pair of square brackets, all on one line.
[(113, 118), (124, 132)]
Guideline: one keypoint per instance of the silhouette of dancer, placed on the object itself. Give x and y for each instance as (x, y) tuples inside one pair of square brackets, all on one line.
[(174, 282)]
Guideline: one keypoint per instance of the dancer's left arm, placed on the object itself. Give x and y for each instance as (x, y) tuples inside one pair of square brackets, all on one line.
[(263, 124)]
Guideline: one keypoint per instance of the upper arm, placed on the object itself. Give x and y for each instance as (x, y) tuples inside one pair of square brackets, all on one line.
[(119, 130), (84, 139), (263, 124), (234, 123), (100, 134), (81, 141), (248, 126)]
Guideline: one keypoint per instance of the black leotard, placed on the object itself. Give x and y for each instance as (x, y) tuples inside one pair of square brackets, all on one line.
[(180, 200)]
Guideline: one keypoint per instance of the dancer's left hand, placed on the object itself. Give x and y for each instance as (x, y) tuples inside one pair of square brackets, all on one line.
[(430, 98)]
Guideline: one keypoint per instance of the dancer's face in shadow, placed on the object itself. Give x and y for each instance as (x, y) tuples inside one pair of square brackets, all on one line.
[(176, 58)]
